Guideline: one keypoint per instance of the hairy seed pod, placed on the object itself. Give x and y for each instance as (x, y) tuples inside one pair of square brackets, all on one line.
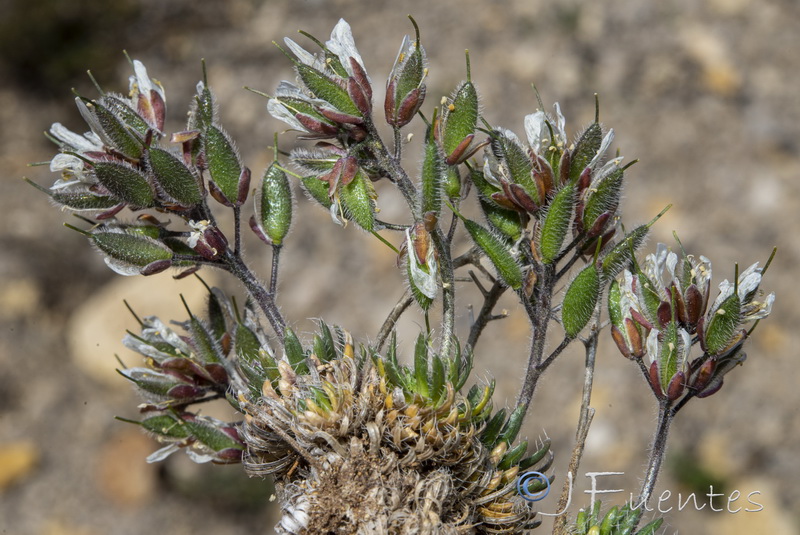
[(621, 255), (720, 326), (125, 182), (110, 128), (556, 223), (224, 163), (498, 252), (274, 204), (172, 175), (509, 151), (603, 198), (580, 300), (358, 201), (433, 173), (128, 253), (322, 87), (460, 118), (585, 149)]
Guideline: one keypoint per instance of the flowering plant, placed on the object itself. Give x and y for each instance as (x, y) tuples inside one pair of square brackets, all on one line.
[(355, 440)]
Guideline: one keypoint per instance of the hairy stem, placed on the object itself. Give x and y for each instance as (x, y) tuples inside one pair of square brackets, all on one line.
[(391, 319), (262, 296), (657, 452), (584, 422), (273, 279)]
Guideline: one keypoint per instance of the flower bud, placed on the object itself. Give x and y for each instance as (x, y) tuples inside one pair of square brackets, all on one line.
[(405, 91)]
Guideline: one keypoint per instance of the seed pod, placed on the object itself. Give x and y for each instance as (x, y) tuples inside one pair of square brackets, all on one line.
[(358, 201), (498, 252), (159, 383), (317, 190), (615, 312), (621, 255), (125, 182), (224, 163), (452, 183), (507, 148), (433, 174), (172, 175), (603, 198), (127, 115), (274, 204), (580, 300), (324, 88), (128, 253), (507, 222), (585, 150), (460, 117), (114, 133), (720, 326), (213, 436), (83, 201), (556, 223), (165, 425)]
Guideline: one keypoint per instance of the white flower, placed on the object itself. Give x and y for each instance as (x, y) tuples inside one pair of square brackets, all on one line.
[(746, 289), (538, 129)]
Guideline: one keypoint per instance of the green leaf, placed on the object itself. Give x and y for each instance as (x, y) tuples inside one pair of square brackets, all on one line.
[(421, 366), (294, 352)]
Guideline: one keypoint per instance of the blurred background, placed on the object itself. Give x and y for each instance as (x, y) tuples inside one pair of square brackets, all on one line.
[(703, 93)]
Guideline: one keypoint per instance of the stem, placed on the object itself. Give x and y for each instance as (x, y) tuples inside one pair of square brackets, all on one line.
[(539, 314), (263, 297), (657, 452), (490, 299), (584, 422), (391, 320), (273, 279), (448, 289), (237, 229)]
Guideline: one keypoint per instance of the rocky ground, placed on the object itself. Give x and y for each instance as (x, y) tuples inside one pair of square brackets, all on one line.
[(704, 94)]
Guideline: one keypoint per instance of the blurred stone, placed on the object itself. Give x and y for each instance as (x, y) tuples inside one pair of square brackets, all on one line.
[(17, 461), (121, 473), (97, 327)]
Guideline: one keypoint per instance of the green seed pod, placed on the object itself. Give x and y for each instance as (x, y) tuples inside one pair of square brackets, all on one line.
[(224, 163), (585, 150), (165, 425), (668, 355), (294, 352), (621, 255), (127, 253), (604, 198), (433, 177), (172, 175), (580, 300), (460, 116), (358, 201), (721, 325), (317, 190), (498, 252), (83, 201), (125, 182), (206, 347), (110, 128), (555, 226), (204, 110), (326, 89), (127, 115), (274, 204), (507, 148), (505, 221), (212, 436), (615, 312), (452, 183), (158, 383)]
